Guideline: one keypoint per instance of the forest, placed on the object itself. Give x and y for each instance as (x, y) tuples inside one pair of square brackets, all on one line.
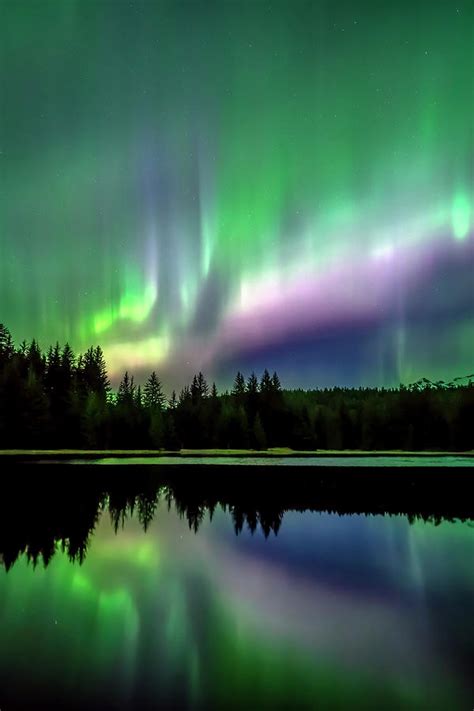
[(57, 400)]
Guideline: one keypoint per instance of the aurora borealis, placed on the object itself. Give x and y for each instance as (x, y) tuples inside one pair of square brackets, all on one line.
[(243, 185)]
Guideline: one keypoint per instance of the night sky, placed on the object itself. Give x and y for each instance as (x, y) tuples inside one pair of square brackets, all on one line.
[(241, 184)]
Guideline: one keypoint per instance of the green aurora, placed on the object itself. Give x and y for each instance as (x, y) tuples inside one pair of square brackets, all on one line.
[(200, 185)]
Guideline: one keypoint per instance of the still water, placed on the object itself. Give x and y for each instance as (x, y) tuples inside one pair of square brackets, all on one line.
[(301, 461), (369, 612)]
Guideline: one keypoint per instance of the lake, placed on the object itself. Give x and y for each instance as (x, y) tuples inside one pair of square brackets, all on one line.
[(123, 593), (342, 460)]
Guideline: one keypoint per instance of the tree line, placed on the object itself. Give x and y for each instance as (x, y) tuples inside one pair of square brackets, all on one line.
[(57, 399)]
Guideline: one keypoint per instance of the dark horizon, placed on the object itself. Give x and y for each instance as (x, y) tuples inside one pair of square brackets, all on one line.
[(57, 400)]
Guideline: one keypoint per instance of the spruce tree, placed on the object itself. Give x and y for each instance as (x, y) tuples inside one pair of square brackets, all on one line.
[(239, 384), (154, 398), (101, 378), (276, 382), (126, 390), (202, 385), (92, 372), (53, 373), (138, 399), (194, 391), (185, 395), (68, 364), (7, 348), (266, 383), (35, 359), (252, 384), (67, 358)]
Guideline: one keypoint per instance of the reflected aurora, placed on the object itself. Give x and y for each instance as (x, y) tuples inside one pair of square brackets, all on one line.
[(213, 619)]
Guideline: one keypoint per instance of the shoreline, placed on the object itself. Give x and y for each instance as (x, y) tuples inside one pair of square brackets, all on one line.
[(86, 454)]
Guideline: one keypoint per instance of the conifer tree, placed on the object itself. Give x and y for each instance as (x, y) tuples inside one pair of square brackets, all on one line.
[(35, 359), (195, 390), (276, 382), (266, 384), (138, 397), (202, 385), (126, 390), (101, 377), (252, 384), (154, 398), (239, 384), (93, 372), (53, 372), (7, 348), (68, 364), (184, 395), (68, 359)]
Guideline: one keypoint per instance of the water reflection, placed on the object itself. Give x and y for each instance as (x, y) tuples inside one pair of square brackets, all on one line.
[(333, 611), (41, 510), (301, 460)]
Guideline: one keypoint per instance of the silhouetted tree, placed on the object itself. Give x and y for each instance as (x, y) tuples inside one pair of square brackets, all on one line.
[(139, 397), (202, 385), (195, 391), (154, 402), (239, 385), (126, 390), (35, 359), (276, 382), (93, 372), (154, 399), (184, 396), (252, 384), (266, 383), (58, 400), (7, 348), (173, 402)]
